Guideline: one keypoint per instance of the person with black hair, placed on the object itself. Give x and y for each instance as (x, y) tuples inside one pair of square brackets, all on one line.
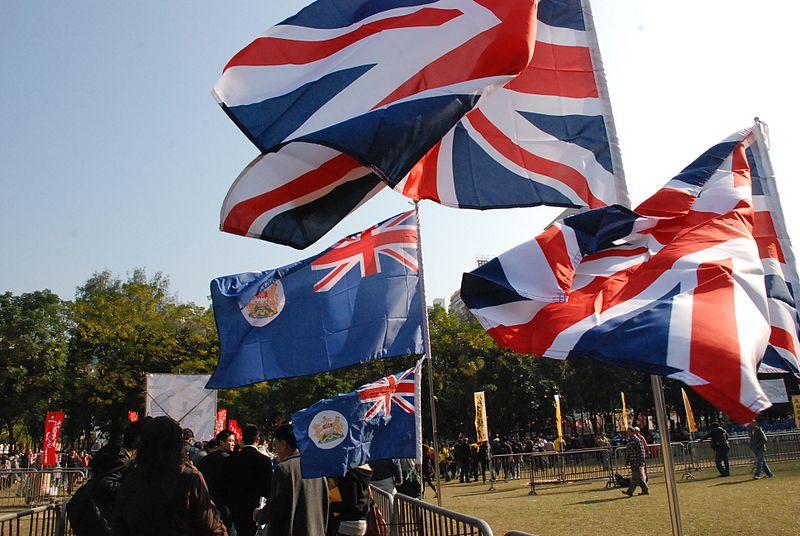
[(213, 467), (91, 513), (248, 475), (296, 506), (721, 447), (164, 493)]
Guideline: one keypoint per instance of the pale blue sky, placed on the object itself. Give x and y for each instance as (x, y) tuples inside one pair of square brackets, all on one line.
[(114, 155)]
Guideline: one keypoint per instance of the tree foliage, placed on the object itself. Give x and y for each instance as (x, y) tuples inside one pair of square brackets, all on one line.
[(33, 345)]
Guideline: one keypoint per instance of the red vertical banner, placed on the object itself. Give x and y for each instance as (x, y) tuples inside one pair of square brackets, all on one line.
[(133, 416), (52, 430), (233, 426), (219, 426)]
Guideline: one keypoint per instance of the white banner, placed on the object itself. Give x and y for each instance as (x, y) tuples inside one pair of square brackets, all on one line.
[(775, 391), (185, 398)]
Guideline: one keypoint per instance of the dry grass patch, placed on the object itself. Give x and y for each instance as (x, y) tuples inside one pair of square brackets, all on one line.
[(709, 506)]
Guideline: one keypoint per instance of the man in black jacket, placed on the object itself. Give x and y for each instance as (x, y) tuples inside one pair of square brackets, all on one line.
[(719, 442), (247, 477), (213, 468)]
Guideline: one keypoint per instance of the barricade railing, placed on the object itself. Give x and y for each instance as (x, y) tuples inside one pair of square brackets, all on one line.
[(781, 446), (25, 487), (407, 516), (40, 521), (654, 461), (385, 503), (601, 463)]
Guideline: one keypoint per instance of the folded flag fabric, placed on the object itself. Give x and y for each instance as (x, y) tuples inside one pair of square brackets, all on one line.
[(777, 257), (367, 88), (674, 288), (355, 302), (547, 137), (376, 422)]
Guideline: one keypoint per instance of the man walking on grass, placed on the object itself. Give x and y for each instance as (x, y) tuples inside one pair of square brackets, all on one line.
[(721, 446), (634, 457), (758, 444)]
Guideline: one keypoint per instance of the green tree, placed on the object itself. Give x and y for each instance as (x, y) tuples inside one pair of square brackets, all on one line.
[(123, 330), (33, 343)]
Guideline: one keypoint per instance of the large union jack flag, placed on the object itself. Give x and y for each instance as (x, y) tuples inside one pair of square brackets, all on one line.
[(674, 288), (394, 239), (349, 93), (393, 389), (547, 137)]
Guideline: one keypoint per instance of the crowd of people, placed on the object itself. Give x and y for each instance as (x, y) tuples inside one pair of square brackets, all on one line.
[(155, 479)]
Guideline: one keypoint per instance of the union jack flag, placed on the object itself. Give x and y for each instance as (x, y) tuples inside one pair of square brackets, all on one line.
[(674, 288), (393, 389), (547, 137), (395, 239), (349, 93)]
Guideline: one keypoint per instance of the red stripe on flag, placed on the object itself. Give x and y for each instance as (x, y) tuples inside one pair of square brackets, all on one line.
[(422, 179), (267, 51), (782, 339), (634, 252), (741, 168), (242, 216), (715, 354), (667, 203), (532, 162), (563, 71), (766, 238), (555, 250), (509, 44)]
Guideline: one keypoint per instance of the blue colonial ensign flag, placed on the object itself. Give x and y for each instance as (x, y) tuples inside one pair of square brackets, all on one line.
[(375, 422), (674, 288), (355, 302)]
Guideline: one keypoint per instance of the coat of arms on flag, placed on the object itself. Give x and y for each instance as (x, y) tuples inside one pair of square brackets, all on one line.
[(377, 421)]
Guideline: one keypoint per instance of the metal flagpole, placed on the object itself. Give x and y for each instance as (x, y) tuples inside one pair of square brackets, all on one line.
[(666, 452), (426, 341)]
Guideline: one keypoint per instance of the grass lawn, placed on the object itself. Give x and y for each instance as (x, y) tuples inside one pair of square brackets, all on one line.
[(709, 506)]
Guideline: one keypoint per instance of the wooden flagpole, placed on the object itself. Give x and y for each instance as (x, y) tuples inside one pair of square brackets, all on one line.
[(666, 453), (426, 341)]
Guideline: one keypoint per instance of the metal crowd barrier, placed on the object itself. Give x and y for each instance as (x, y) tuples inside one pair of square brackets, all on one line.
[(412, 517), (542, 468), (25, 487), (781, 446), (40, 521), (654, 461)]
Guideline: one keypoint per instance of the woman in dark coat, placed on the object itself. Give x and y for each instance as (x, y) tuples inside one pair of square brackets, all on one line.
[(353, 509), (164, 494)]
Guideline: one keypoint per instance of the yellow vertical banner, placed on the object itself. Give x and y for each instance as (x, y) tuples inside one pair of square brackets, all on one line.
[(624, 411), (481, 428), (796, 406), (558, 418), (689, 413)]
